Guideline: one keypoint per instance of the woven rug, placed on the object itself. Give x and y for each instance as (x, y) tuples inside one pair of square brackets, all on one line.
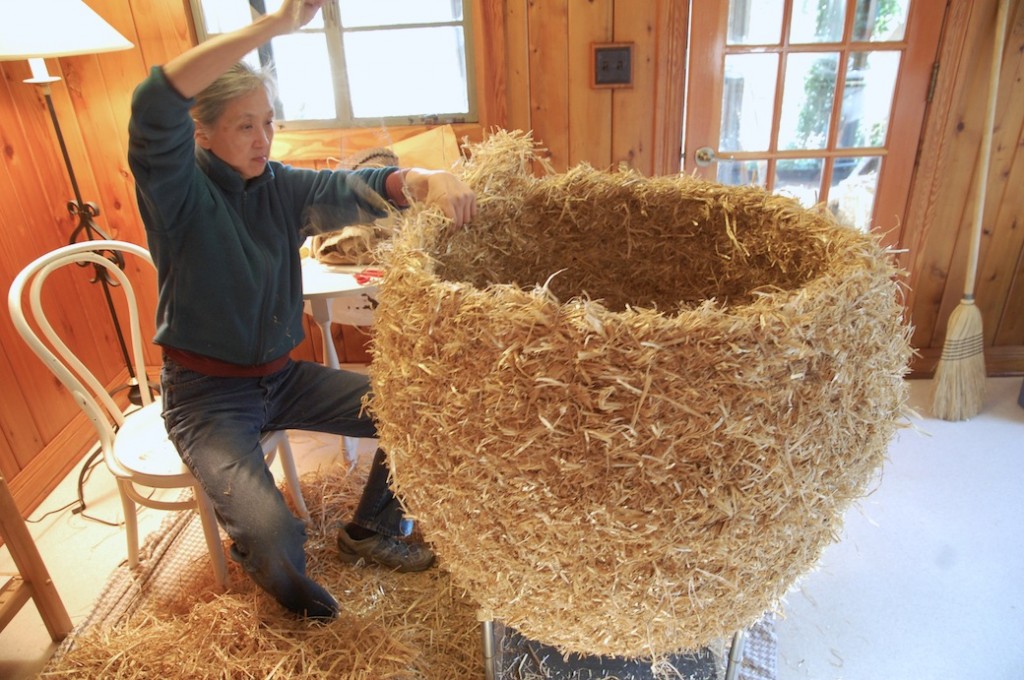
[(166, 618)]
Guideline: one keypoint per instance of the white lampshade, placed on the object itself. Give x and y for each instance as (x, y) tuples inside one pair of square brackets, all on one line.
[(54, 28)]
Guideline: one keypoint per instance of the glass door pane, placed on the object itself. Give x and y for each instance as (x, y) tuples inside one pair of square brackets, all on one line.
[(867, 98), (876, 23), (854, 187), (800, 178), (755, 23), (817, 21), (808, 94), (748, 101)]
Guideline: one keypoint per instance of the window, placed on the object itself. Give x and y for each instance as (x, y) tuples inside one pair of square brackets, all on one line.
[(362, 64)]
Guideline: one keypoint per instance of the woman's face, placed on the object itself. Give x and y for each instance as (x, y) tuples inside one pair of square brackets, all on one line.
[(242, 135)]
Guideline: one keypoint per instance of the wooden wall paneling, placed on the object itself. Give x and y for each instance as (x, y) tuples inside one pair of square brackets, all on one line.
[(1011, 318), (670, 86), (590, 109), (34, 190), (8, 464), (1005, 207), (490, 48), (94, 345), (356, 342), (20, 431), (632, 119), (964, 173), (22, 437), (309, 349), (160, 29), (53, 462), (934, 258), (517, 66), (549, 74), (100, 90)]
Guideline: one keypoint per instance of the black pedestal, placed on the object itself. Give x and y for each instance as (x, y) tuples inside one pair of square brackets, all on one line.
[(518, 658)]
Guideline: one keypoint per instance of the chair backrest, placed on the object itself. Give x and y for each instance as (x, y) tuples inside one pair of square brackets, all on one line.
[(88, 391)]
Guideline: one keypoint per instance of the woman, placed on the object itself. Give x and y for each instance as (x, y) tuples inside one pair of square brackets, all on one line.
[(224, 226)]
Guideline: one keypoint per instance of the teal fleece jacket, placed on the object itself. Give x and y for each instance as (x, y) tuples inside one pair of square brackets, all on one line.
[(227, 250)]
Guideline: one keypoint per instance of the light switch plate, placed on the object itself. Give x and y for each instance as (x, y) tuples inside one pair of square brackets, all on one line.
[(613, 65)]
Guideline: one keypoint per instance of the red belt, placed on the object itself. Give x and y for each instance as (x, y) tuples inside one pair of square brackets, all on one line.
[(223, 369)]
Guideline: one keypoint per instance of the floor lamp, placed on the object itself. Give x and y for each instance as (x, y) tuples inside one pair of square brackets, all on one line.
[(35, 30)]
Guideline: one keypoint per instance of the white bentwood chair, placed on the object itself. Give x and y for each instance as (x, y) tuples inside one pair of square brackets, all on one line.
[(135, 445)]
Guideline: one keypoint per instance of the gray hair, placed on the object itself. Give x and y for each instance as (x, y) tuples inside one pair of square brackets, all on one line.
[(238, 80)]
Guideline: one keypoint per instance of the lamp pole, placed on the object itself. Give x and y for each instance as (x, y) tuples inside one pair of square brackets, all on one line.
[(87, 228)]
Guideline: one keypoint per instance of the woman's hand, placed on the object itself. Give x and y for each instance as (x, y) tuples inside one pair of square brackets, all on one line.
[(297, 13), (444, 190)]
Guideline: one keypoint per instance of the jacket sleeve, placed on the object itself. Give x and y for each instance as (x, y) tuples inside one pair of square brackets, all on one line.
[(161, 152), (327, 200)]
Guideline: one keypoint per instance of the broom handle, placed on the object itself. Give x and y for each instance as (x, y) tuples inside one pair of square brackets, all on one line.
[(986, 148)]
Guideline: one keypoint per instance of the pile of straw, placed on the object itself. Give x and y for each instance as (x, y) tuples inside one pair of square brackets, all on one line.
[(631, 412), (394, 626)]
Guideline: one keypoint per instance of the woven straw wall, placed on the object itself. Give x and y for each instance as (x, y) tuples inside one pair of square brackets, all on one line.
[(629, 413)]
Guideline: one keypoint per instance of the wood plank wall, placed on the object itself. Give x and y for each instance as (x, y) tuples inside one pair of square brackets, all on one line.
[(533, 74), (550, 70), (939, 218)]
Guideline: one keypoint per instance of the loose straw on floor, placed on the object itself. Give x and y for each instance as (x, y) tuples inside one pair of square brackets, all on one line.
[(959, 383)]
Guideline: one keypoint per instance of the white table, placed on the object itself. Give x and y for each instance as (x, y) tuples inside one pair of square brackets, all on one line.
[(333, 295)]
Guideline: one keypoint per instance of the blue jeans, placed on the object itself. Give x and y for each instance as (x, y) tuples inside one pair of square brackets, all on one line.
[(216, 424)]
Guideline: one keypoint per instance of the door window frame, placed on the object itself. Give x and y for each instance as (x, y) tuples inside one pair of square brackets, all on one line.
[(702, 109)]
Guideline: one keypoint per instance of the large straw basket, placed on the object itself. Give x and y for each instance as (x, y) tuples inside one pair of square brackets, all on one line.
[(630, 412)]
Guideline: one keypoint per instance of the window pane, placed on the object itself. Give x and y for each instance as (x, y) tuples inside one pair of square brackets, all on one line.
[(755, 23), (799, 178), (867, 98), (740, 173), (817, 21), (438, 51), (748, 97), (879, 21), (852, 195), (304, 76), (807, 98), (355, 13)]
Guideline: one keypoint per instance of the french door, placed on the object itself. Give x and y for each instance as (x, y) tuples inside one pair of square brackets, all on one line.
[(823, 100)]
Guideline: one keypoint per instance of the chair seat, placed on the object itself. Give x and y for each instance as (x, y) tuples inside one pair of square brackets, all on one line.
[(142, 447)]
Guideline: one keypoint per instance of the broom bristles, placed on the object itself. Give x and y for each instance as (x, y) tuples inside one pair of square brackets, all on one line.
[(959, 382)]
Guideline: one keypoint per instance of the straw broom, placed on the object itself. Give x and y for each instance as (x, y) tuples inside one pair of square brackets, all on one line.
[(959, 383)]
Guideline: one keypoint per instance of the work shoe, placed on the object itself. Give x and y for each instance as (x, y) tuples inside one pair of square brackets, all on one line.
[(393, 553)]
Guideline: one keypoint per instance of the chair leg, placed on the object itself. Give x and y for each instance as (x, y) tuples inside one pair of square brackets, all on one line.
[(487, 633), (131, 521), (212, 533), (350, 446), (291, 475), (732, 667)]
